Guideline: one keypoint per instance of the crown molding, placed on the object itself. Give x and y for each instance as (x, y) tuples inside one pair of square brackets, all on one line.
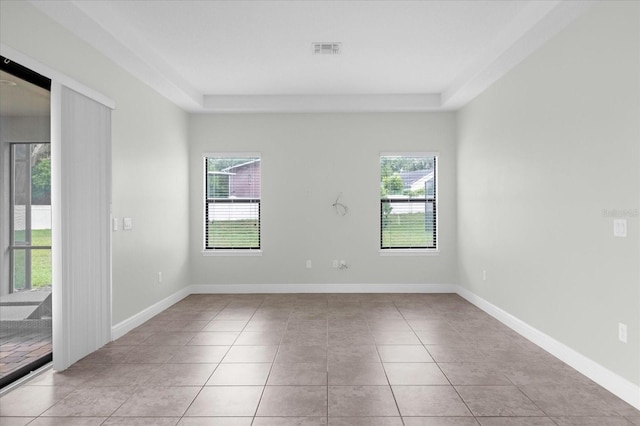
[(322, 103)]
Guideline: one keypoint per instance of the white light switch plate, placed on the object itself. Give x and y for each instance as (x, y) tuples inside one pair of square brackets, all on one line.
[(619, 227), (127, 223), (115, 223)]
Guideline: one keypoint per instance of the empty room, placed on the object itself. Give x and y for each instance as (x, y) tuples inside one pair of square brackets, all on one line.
[(306, 212)]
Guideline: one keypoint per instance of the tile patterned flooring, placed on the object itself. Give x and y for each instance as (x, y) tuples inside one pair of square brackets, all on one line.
[(311, 359)]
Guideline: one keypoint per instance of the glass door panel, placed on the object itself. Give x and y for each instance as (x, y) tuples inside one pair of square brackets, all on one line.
[(25, 225), (31, 219)]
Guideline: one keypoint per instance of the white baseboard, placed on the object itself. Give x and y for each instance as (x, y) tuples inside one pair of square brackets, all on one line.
[(609, 380), (141, 317), (320, 288)]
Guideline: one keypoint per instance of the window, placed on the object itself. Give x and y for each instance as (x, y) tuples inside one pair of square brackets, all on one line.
[(232, 202), (408, 213)]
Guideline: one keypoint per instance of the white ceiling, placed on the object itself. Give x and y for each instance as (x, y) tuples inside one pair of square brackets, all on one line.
[(19, 97), (257, 56)]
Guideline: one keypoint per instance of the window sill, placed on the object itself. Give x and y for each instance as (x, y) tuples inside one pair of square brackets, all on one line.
[(207, 253), (410, 252)]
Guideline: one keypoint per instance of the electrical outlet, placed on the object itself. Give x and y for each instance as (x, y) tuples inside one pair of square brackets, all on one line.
[(484, 275), (335, 263), (309, 264), (159, 277), (622, 332), (619, 227)]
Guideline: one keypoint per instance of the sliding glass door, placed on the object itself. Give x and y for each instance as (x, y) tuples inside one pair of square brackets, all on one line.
[(25, 222)]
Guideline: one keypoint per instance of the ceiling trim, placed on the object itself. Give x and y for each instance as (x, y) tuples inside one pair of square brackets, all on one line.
[(537, 23), (322, 103), (130, 54), (531, 29)]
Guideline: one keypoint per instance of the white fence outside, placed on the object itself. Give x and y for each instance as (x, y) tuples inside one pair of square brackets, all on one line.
[(406, 208), (40, 217), (233, 211)]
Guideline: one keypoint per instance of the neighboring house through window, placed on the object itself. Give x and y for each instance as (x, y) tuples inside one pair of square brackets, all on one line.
[(408, 213), (232, 202)]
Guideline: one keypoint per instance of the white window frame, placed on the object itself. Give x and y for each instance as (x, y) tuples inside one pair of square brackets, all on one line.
[(203, 194), (412, 251)]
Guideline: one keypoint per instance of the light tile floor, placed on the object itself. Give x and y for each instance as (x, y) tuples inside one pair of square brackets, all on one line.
[(336, 359)]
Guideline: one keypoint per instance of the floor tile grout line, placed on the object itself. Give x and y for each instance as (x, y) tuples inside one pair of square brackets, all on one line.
[(533, 402), (439, 368), (214, 370), (327, 362), (264, 387), (393, 394)]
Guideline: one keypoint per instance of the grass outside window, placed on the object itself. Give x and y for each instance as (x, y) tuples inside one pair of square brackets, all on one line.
[(234, 234), (40, 260), (405, 230)]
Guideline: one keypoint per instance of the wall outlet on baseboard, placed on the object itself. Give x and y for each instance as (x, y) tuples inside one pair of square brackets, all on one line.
[(622, 332)]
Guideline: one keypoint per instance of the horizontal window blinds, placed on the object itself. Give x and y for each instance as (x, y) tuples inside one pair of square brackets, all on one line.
[(232, 200), (408, 202)]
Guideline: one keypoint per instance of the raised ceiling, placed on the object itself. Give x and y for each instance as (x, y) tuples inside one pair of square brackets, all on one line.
[(257, 55)]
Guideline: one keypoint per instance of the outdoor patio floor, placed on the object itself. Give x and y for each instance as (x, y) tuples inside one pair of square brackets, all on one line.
[(20, 348)]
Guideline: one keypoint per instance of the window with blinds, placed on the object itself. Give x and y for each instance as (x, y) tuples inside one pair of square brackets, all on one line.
[(408, 202), (232, 202)]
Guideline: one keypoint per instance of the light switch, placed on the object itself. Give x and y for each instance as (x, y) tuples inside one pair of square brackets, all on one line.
[(127, 223), (115, 223)]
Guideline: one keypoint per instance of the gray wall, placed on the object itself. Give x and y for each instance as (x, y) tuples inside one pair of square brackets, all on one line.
[(541, 154), (150, 160), (307, 161)]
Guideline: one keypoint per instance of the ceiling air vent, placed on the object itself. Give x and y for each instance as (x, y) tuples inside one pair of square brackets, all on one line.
[(326, 48)]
